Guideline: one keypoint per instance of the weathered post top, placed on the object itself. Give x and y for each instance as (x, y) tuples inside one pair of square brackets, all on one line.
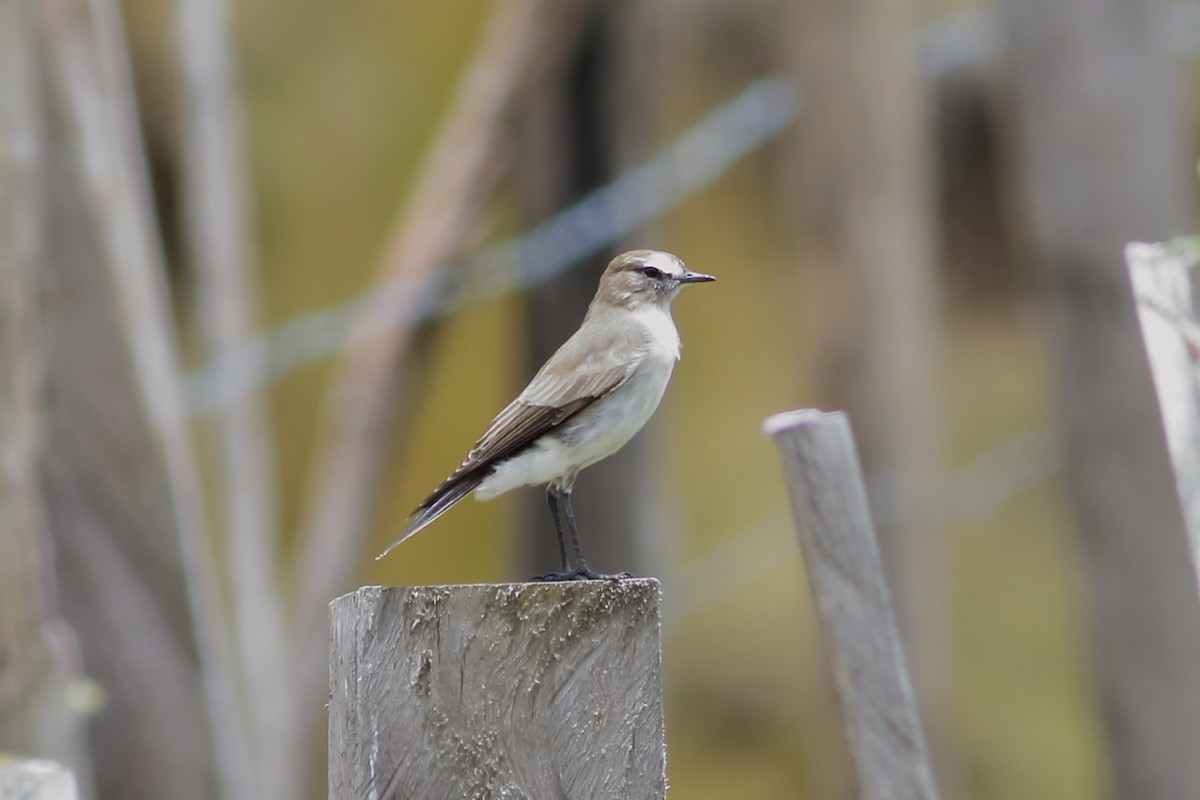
[(538, 690)]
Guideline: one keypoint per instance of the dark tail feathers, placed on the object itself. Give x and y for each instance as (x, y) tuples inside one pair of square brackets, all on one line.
[(435, 506)]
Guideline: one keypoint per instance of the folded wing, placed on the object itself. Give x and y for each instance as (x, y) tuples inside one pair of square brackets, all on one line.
[(591, 364)]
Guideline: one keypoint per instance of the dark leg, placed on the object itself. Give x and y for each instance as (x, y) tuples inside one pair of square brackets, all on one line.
[(582, 571), (552, 495), (552, 500), (579, 559)]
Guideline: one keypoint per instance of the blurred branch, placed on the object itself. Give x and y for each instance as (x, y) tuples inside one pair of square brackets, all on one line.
[(120, 574), (38, 653), (88, 53), (24, 577), (699, 157), (440, 217), (222, 256)]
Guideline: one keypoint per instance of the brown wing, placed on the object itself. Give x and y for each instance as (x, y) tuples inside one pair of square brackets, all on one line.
[(591, 364)]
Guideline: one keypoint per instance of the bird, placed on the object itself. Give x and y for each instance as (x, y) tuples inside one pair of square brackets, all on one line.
[(590, 398)]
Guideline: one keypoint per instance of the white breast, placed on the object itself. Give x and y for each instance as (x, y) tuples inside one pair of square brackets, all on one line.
[(664, 337), (603, 427)]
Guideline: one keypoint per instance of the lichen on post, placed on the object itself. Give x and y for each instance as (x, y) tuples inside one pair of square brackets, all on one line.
[(506, 690)]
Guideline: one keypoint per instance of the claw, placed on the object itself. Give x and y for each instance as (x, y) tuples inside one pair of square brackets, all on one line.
[(580, 574)]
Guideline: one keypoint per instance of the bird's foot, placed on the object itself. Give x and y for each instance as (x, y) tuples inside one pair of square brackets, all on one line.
[(580, 574)]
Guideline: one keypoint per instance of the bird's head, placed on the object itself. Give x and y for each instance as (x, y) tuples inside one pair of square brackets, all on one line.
[(645, 277)]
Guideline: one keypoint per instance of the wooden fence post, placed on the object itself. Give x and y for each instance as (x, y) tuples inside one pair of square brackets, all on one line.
[(36, 780), (837, 540), (508, 690), (1161, 275)]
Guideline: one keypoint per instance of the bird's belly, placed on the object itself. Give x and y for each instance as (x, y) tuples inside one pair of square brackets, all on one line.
[(594, 434), (605, 426)]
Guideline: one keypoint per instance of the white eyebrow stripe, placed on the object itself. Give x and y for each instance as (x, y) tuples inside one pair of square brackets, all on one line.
[(665, 262)]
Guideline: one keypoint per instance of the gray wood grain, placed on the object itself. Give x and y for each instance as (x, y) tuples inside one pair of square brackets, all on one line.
[(497, 691), (837, 540)]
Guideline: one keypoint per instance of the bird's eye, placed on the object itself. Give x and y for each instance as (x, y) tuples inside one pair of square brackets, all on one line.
[(652, 272)]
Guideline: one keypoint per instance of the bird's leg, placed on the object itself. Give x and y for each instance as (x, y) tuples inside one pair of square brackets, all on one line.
[(552, 499), (560, 492), (580, 561), (553, 493), (582, 571)]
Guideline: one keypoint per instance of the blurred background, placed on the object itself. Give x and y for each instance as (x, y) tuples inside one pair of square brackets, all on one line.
[(270, 268)]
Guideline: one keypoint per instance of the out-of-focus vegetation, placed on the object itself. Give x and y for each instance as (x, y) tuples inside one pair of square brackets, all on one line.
[(342, 101)]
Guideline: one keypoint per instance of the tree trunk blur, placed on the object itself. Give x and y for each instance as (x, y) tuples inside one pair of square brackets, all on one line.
[(1099, 152), (221, 254), (90, 60), (119, 568), (866, 172), (588, 121), (38, 652)]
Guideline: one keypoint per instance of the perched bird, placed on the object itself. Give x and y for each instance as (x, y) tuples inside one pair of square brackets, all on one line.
[(583, 405)]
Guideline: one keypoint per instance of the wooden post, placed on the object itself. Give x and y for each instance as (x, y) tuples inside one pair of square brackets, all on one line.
[(508, 690), (36, 780), (1166, 303), (837, 540)]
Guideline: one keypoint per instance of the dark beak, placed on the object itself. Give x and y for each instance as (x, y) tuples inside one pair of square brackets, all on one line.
[(695, 277)]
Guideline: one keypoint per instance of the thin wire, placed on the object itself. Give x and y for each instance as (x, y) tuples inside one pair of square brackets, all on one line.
[(701, 156), (634, 199)]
